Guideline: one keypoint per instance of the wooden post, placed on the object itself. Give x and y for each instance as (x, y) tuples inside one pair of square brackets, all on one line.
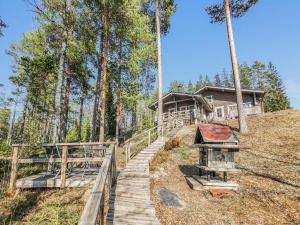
[(128, 155), (149, 138), (114, 166), (126, 152), (64, 165), (13, 172)]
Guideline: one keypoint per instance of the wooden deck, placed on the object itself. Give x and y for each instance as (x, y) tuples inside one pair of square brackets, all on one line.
[(130, 201), (45, 180)]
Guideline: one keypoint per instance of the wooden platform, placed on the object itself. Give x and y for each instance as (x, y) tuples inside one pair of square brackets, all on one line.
[(201, 183), (45, 180), (130, 201)]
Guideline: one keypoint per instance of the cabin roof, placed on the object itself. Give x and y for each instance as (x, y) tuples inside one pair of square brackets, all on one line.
[(182, 95), (227, 89)]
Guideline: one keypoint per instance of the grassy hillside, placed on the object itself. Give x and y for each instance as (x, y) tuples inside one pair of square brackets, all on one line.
[(269, 181)]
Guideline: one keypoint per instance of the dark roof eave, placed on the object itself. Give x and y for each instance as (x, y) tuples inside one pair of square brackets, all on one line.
[(229, 89)]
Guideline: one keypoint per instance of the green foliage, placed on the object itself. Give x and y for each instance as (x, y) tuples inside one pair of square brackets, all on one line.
[(218, 81), (227, 80), (190, 87), (177, 86), (200, 83), (4, 123), (5, 150), (275, 98), (72, 134), (207, 81), (2, 25), (238, 9), (245, 76)]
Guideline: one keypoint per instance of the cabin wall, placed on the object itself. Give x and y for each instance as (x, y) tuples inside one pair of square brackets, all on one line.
[(225, 99), (167, 107)]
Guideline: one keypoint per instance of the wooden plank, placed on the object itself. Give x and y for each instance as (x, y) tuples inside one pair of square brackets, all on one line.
[(5, 158), (217, 169), (194, 184), (64, 165), (45, 180), (59, 160), (66, 144), (220, 146)]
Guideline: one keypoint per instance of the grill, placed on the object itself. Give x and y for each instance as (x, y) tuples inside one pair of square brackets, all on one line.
[(217, 146)]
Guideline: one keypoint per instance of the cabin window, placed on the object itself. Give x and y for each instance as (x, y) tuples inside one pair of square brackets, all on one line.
[(191, 107), (183, 108), (219, 112), (209, 99), (232, 107), (247, 104)]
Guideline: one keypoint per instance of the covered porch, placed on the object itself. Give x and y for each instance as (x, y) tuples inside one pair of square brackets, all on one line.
[(183, 108)]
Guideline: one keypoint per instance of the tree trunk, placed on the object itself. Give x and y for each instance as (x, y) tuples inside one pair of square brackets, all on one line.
[(118, 100), (97, 90), (237, 84), (159, 71), (133, 118), (80, 116), (66, 106), (58, 95), (104, 78), (12, 123), (21, 134)]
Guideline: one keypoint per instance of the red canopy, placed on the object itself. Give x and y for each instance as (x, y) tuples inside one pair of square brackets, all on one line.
[(216, 133)]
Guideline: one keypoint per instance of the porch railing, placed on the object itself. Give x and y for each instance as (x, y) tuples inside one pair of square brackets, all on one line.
[(233, 113)]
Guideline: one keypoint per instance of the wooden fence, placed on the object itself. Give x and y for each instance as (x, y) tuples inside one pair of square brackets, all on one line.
[(63, 160), (93, 212)]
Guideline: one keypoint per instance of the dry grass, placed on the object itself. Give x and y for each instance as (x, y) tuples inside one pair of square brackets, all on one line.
[(160, 158), (43, 207), (270, 181)]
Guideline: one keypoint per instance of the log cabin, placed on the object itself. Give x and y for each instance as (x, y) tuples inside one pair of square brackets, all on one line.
[(208, 104)]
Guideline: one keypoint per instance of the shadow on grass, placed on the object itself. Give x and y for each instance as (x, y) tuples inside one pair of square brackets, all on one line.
[(18, 207), (269, 176), (269, 158), (189, 170)]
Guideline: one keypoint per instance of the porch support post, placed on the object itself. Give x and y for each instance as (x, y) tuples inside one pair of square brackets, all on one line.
[(195, 111), (254, 97)]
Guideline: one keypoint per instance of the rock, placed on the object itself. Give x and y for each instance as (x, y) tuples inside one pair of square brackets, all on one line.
[(170, 199)]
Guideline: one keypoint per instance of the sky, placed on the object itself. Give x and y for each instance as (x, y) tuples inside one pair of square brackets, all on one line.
[(270, 31)]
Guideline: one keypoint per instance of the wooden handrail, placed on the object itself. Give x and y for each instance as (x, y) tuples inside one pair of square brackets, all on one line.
[(93, 211), (65, 144), (137, 135)]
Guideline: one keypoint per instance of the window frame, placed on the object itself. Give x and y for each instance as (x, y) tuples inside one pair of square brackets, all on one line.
[(222, 110)]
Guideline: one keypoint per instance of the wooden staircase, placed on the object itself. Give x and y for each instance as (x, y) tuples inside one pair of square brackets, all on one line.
[(130, 201)]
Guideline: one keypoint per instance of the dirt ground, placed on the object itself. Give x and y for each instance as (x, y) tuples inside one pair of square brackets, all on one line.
[(269, 182)]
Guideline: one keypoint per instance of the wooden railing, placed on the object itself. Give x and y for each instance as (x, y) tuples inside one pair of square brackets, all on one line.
[(63, 159), (144, 138), (247, 110), (184, 115), (93, 212)]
